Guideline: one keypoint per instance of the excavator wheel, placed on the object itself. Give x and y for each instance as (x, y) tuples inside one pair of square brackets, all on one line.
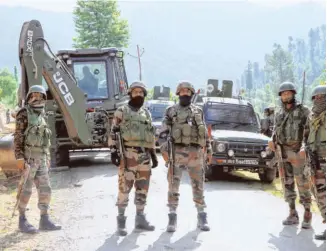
[(62, 156)]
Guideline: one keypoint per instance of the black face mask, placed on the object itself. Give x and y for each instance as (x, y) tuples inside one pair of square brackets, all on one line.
[(185, 100), (37, 105), (137, 101), (319, 105)]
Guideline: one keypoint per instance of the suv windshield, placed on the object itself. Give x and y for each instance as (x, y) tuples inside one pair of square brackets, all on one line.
[(92, 78), (231, 117), (157, 111)]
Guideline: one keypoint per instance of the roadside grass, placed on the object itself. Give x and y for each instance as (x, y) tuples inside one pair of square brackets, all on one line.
[(275, 188)]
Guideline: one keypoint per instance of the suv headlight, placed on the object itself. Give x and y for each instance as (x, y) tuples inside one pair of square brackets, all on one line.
[(263, 154), (221, 147)]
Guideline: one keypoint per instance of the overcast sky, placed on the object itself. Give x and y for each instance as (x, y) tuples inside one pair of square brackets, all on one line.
[(68, 5)]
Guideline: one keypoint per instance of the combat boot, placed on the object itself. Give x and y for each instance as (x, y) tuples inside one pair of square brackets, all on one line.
[(172, 222), (121, 225), (25, 226), (321, 236), (142, 224), (292, 218), (202, 221), (306, 223), (47, 224)]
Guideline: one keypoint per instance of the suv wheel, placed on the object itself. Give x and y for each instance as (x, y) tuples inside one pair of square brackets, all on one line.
[(208, 172), (269, 175)]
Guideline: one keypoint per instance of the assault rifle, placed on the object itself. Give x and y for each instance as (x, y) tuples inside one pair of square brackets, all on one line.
[(121, 148), (279, 155), (314, 163), (26, 171)]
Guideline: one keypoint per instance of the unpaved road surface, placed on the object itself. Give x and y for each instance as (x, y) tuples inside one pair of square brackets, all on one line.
[(242, 217)]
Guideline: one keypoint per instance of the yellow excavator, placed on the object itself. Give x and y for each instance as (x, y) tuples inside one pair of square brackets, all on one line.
[(84, 88)]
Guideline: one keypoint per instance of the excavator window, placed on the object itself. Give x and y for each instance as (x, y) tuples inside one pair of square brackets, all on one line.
[(92, 78)]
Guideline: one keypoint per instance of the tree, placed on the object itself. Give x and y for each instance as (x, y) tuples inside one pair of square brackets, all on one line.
[(279, 65), (16, 74), (8, 86), (249, 80), (98, 24)]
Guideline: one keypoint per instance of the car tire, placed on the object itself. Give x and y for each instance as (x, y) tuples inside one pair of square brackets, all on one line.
[(269, 175), (208, 172)]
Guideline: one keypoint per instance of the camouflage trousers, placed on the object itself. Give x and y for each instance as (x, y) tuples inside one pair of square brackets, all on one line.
[(39, 175), (137, 173), (294, 170), (319, 186), (191, 159)]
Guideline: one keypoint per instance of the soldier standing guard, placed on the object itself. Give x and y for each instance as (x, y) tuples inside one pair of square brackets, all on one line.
[(315, 142), (185, 124), (32, 143), (134, 124), (288, 134)]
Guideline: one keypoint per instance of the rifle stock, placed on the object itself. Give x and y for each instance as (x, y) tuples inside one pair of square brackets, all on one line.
[(281, 168), (121, 149), (22, 181)]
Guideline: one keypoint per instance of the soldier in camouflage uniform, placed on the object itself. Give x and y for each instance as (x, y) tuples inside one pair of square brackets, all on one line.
[(134, 124), (315, 142), (32, 143), (268, 122), (288, 133), (185, 123)]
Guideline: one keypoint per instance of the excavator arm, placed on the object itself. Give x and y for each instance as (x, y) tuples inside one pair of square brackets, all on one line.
[(36, 62)]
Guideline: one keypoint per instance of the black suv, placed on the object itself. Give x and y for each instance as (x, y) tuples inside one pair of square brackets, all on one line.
[(236, 139)]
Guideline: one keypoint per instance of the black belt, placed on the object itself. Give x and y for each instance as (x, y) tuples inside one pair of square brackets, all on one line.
[(138, 148), (185, 145)]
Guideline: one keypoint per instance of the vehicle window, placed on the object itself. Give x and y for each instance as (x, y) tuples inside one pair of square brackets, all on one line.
[(157, 111), (231, 114), (92, 78)]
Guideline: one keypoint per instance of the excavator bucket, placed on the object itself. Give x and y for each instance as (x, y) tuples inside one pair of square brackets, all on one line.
[(8, 162)]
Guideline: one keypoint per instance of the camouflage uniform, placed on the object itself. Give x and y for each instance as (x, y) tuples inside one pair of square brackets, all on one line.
[(32, 143), (138, 135), (288, 133), (190, 139), (315, 141)]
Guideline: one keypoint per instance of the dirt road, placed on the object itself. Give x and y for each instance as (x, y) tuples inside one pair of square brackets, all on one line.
[(242, 217)]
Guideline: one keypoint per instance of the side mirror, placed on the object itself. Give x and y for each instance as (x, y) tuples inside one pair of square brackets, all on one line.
[(116, 96)]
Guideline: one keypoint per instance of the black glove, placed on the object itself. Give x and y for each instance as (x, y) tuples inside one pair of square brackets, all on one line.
[(154, 159), (115, 158)]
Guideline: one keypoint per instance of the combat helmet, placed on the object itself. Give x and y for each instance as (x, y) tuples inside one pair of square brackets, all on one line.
[(36, 88), (286, 86), (320, 89), (184, 84), (137, 84)]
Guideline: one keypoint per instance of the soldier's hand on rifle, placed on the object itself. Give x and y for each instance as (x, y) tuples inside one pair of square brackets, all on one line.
[(154, 158), (115, 158), (271, 145), (302, 153), (116, 129), (209, 158)]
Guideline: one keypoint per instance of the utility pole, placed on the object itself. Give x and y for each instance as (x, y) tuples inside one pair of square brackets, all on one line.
[(139, 55)]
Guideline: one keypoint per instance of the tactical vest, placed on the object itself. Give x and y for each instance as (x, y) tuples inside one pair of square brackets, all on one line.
[(317, 135), (290, 125), (37, 134), (188, 126), (136, 128)]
